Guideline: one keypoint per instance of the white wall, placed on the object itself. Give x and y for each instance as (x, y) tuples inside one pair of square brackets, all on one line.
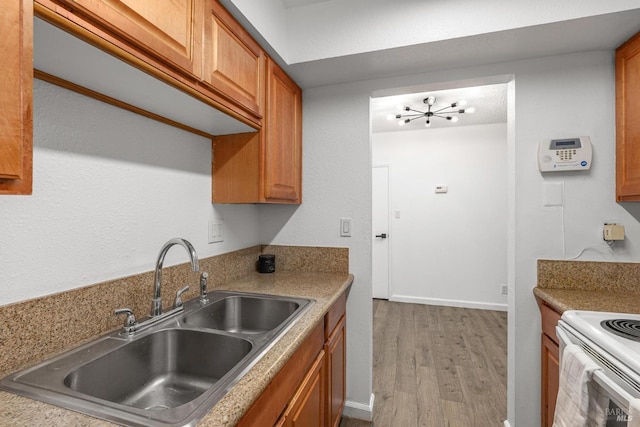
[(336, 183), (554, 97), (109, 188), (335, 28), (448, 249)]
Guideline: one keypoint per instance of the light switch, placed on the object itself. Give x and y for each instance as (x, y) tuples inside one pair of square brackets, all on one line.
[(345, 227), (215, 231)]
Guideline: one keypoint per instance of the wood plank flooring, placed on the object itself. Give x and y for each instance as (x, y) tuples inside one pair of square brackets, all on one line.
[(437, 366)]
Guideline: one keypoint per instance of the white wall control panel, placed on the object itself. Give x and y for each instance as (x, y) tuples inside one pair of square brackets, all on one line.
[(568, 154), (441, 189)]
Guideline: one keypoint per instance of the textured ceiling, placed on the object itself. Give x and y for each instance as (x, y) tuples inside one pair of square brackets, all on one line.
[(295, 3), (490, 103)]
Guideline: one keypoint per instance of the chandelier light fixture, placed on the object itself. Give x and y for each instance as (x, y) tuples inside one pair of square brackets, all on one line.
[(450, 112)]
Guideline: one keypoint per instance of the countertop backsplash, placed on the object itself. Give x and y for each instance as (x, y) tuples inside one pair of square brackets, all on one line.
[(35, 329), (589, 275)]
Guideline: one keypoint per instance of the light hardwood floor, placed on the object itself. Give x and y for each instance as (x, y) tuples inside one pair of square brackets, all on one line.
[(437, 366)]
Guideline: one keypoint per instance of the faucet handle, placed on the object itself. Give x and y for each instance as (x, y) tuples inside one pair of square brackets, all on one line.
[(203, 287), (178, 301), (130, 323)]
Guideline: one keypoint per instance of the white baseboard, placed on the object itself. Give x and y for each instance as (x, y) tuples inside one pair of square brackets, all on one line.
[(449, 302), (506, 423), (360, 411)]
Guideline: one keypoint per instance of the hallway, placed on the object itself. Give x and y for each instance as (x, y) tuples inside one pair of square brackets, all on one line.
[(437, 366)]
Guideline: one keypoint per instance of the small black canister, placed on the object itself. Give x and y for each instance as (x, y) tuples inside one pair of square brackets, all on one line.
[(266, 263)]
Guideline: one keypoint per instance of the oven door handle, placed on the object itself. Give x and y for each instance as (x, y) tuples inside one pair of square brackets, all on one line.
[(562, 336), (615, 392)]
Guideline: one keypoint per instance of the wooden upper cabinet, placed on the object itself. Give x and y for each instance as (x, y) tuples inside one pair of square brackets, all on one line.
[(283, 145), (628, 121), (233, 61), (170, 30), (16, 104), (264, 166)]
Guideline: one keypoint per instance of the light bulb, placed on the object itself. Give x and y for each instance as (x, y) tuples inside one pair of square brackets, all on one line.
[(454, 119), (401, 123), (391, 116), (430, 100), (462, 102), (427, 124), (470, 110)]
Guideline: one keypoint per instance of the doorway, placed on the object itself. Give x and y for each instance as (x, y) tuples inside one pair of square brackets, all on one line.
[(381, 231), (447, 185)]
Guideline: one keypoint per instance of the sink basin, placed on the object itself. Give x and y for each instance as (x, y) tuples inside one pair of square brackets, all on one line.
[(243, 314), (170, 373), (162, 370)]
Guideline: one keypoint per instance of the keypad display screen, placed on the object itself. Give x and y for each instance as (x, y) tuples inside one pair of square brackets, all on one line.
[(564, 144)]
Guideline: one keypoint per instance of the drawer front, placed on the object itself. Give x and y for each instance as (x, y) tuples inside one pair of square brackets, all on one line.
[(550, 319), (334, 315)]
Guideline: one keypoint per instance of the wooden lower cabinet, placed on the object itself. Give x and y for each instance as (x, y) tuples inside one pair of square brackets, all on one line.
[(335, 349), (306, 409), (309, 391), (550, 378), (550, 366)]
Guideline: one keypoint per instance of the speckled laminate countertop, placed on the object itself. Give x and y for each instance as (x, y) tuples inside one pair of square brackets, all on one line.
[(325, 288), (589, 285), (572, 299)]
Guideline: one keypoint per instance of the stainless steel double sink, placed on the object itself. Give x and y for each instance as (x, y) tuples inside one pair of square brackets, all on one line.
[(173, 372)]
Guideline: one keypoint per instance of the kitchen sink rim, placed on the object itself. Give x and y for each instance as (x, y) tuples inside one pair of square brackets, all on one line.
[(199, 407)]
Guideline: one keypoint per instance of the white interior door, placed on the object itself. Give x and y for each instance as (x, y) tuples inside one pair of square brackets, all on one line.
[(380, 244)]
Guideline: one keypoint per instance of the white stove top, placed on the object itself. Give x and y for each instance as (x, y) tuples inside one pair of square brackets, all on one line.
[(588, 323)]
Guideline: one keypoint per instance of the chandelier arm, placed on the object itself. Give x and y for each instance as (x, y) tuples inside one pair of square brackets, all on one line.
[(402, 116), (415, 118), (442, 110)]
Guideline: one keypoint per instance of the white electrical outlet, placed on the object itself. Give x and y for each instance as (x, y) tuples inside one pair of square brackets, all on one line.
[(613, 232), (504, 289)]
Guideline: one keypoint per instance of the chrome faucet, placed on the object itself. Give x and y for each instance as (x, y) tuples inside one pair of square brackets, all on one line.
[(156, 302), (203, 287)]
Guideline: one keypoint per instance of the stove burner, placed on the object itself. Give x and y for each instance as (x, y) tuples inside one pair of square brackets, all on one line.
[(625, 328)]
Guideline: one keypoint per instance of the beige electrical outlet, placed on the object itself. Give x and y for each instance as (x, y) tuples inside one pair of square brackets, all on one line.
[(613, 232)]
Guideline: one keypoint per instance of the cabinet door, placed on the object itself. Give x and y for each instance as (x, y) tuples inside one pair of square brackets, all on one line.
[(628, 120), (283, 141), (233, 61), (550, 378), (16, 120), (336, 358), (306, 408), (170, 30)]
